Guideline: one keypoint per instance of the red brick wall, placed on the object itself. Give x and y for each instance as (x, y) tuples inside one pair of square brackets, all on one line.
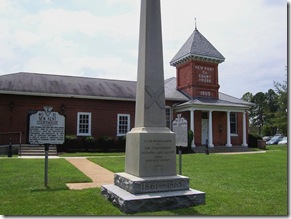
[(103, 112), (104, 117), (198, 79)]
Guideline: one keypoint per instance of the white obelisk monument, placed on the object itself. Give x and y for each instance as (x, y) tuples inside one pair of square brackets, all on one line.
[(150, 181), (150, 146)]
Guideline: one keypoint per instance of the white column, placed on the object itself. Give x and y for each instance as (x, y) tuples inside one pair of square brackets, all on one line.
[(228, 144), (192, 127), (210, 140), (244, 130)]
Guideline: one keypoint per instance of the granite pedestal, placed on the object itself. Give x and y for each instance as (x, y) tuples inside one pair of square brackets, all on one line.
[(150, 182), (156, 201)]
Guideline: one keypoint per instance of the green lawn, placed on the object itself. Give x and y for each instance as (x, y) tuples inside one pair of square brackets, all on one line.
[(245, 184)]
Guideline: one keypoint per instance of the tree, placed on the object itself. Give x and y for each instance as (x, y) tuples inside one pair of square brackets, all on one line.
[(249, 97), (269, 115), (281, 114), (258, 116), (270, 126)]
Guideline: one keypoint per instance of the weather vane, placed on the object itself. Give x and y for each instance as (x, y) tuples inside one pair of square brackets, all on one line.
[(195, 24)]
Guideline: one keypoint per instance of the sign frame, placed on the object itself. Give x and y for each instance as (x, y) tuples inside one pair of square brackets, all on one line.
[(46, 127), (180, 127)]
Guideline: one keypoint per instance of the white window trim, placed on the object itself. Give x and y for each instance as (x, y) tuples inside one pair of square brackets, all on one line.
[(235, 134), (78, 122), (128, 127)]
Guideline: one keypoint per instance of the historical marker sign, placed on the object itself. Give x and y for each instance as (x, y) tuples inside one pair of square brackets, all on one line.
[(47, 127), (180, 129)]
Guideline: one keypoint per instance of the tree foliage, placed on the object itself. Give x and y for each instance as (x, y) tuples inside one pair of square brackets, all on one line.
[(269, 115), (281, 113)]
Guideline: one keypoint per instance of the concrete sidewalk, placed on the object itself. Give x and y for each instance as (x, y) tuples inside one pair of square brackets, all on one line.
[(99, 175)]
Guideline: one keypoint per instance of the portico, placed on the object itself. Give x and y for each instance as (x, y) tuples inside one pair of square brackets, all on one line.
[(216, 122)]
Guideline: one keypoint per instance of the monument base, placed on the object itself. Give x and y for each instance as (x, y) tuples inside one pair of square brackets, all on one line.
[(138, 185), (157, 201), (133, 194)]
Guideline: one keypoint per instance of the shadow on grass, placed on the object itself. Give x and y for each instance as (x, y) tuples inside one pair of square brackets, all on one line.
[(48, 189), (181, 211), (186, 211)]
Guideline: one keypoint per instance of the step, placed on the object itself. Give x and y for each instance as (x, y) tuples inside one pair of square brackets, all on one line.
[(33, 150), (37, 154)]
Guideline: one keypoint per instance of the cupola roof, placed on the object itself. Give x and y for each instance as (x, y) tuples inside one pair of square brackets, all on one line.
[(197, 47)]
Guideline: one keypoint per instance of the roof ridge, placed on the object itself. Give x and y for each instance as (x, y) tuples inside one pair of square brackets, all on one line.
[(68, 76)]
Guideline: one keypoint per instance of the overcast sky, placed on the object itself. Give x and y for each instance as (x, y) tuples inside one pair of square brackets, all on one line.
[(99, 38)]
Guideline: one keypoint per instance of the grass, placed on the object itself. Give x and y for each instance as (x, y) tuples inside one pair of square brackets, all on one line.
[(236, 185)]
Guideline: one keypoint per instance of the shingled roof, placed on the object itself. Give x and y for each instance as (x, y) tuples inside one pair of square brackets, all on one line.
[(35, 84), (24, 83), (197, 47)]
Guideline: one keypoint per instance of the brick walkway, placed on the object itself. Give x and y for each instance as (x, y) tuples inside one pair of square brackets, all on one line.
[(99, 175)]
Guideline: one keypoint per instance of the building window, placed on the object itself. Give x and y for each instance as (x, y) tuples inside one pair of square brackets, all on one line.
[(233, 123), (168, 117), (84, 124), (123, 124)]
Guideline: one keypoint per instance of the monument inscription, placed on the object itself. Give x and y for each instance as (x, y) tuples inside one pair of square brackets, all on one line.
[(156, 154), (163, 185), (139, 185), (157, 151)]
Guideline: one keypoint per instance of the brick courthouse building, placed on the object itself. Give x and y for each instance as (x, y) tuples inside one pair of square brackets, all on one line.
[(102, 107)]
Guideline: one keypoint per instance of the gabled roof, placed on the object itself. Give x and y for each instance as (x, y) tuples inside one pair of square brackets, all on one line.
[(24, 83), (199, 48), (35, 84)]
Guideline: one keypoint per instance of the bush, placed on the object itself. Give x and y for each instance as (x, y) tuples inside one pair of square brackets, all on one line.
[(89, 143), (105, 142), (69, 140), (74, 143), (190, 138), (253, 140), (121, 141)]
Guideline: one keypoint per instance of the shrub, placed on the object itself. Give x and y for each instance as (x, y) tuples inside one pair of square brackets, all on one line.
[(121, 141), (105, 142), (190, 138), (69, 139), (89, 143)]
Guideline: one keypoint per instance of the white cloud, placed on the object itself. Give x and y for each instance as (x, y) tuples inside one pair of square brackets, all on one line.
[(61, 38)]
